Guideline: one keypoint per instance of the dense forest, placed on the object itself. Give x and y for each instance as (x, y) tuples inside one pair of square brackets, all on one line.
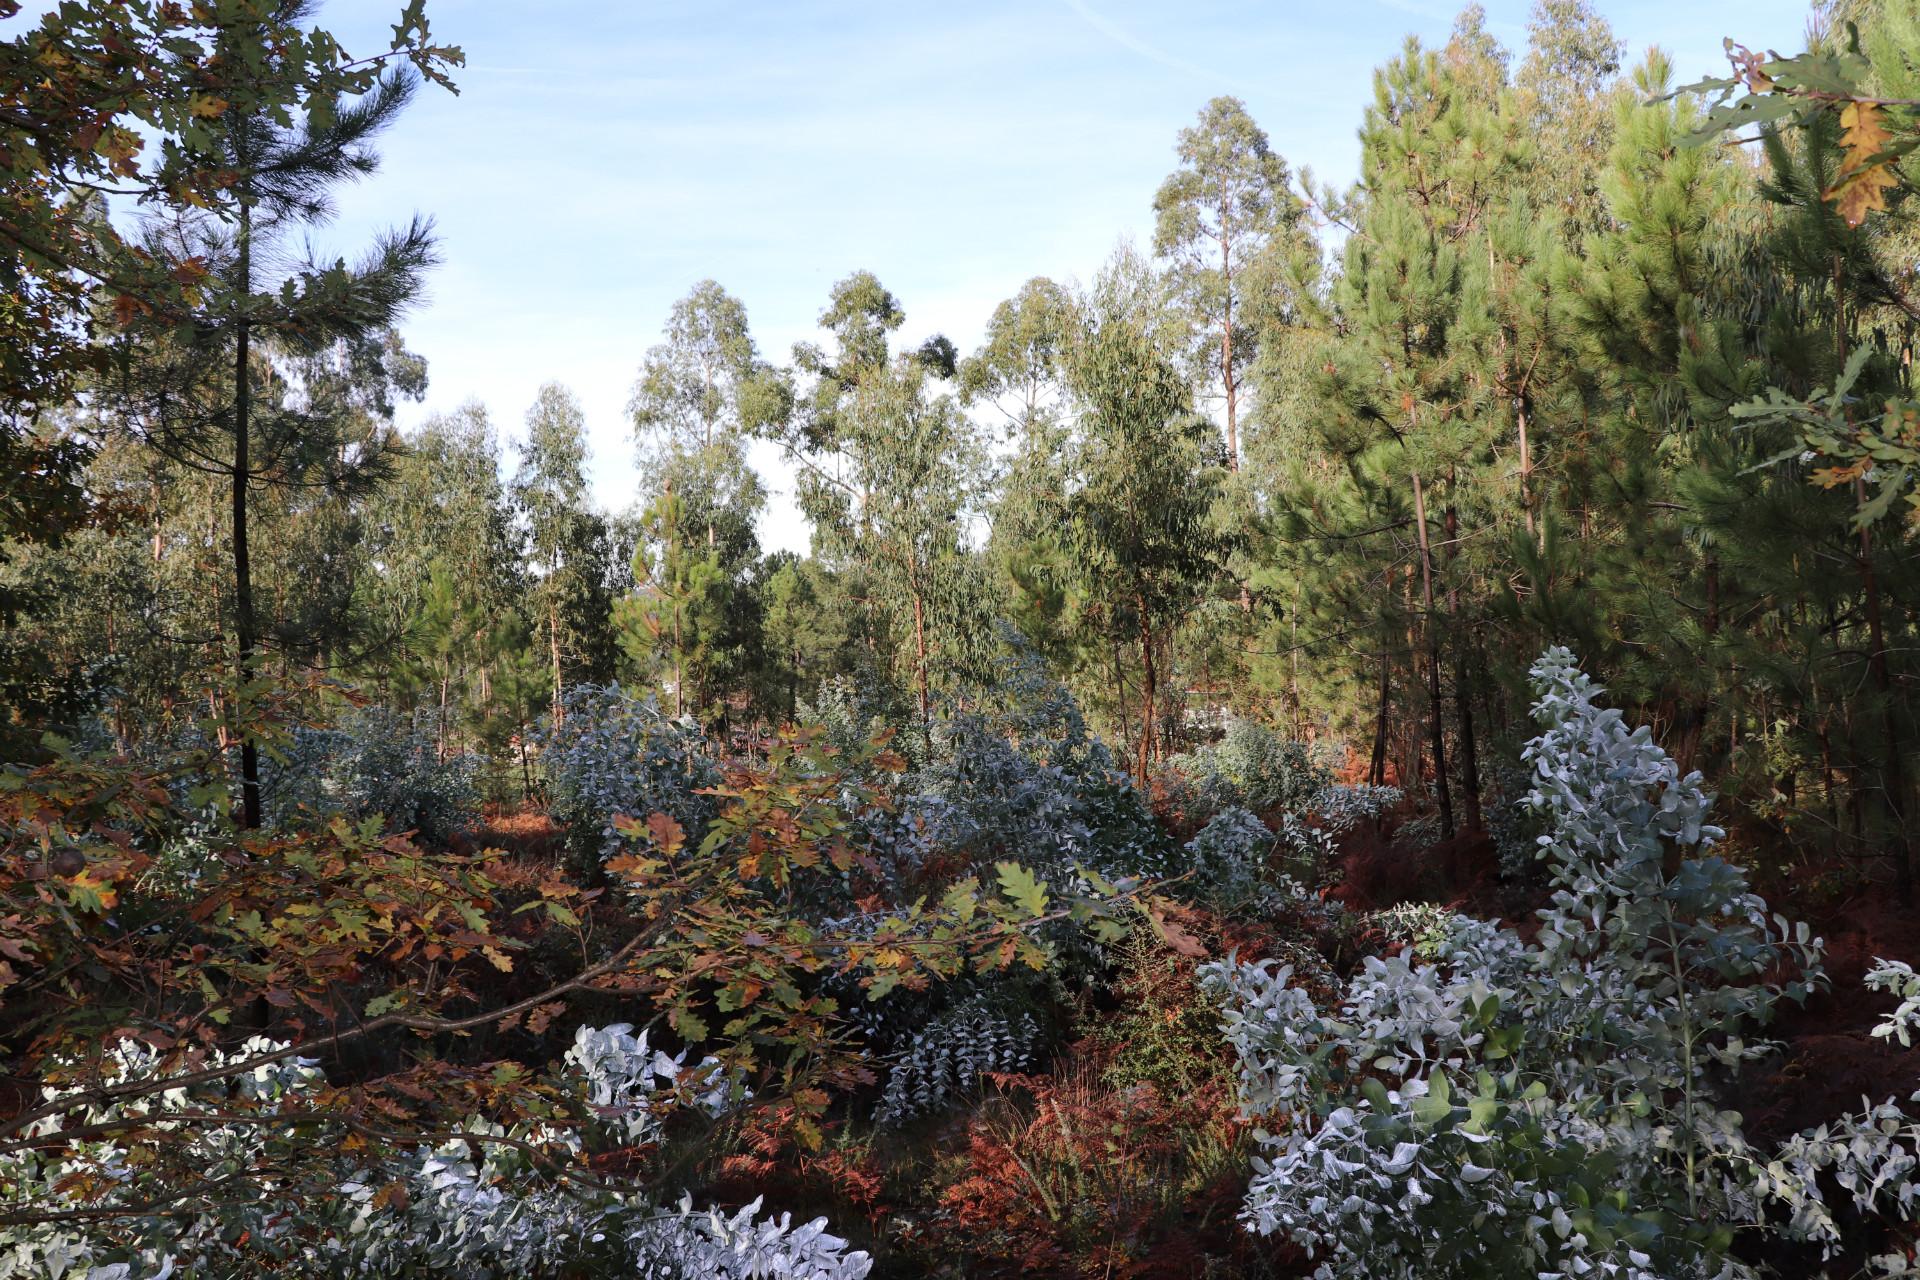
[(1375, 737)]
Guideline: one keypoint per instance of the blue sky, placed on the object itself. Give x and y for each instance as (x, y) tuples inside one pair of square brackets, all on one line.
[(603, 157)]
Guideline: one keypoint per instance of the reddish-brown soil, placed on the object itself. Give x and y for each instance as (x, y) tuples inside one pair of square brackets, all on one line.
[(1831, 1061), (1379, 872)]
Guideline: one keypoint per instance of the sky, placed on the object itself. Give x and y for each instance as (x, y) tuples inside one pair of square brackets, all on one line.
[(601, 158)]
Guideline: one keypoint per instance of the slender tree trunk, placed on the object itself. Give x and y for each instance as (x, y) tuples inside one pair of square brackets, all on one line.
[(1148, 690), (1293, 667), (679, 675), (793, 686), (1827, 786), (244, 624), (526, 769), (1226, 349), (1469, 751), (1230, 383), (920, 671), (1442, 792), (1893, 779), (1712, 623), (1522, 410), (1377, 767), (706, 377), (1462, 681), (553, 649)]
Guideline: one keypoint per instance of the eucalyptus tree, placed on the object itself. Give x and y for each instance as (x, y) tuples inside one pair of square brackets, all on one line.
[(1147, 468), (1017, 369), (702, 394), (705, 391), (1568, 82), (1227, 220), (1018, 377), (569, 544), (912, 481), (892, 474), (447, 504)]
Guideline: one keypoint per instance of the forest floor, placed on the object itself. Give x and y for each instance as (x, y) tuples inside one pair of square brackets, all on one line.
[(952, 1192)]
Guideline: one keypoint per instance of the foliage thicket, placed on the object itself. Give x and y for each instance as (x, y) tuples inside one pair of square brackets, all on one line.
[(383, 1129), (613, 755), (1485, 1105), (372, 764), (1084, 859)]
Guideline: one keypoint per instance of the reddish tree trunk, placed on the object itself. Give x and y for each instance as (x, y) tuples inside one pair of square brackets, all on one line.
[(1441, 791)]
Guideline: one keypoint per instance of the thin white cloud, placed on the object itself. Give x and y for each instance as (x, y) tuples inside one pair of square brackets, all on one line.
[(1127, 40)]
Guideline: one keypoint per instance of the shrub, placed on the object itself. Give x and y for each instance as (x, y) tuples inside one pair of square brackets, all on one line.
[(1229, 860), (102, 1170), (1254, 767), (1497, 1108), (1514, 825), (1068, 1175), (1419, 832), (626, 1082), (1342, 807), (851, 712), (1422, 928), (1022, 775), (614, 755), (372, 763), (490, 1202), (1161, 1031), (953, 1055)]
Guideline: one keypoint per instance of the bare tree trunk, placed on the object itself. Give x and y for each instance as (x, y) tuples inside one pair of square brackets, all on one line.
[(1293, 667), (793, 686), (1469, 751), (1226, 350), (553, 648), (244, 623), (1522, 410), (1149, 690), (920, 672), (1893, 780), (679, 675), (1462, 681), (1377, 768), (1713, 595), (1442, 793)]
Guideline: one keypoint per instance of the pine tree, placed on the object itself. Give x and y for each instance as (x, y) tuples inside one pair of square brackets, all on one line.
[(1406, 386), (284, 174)]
